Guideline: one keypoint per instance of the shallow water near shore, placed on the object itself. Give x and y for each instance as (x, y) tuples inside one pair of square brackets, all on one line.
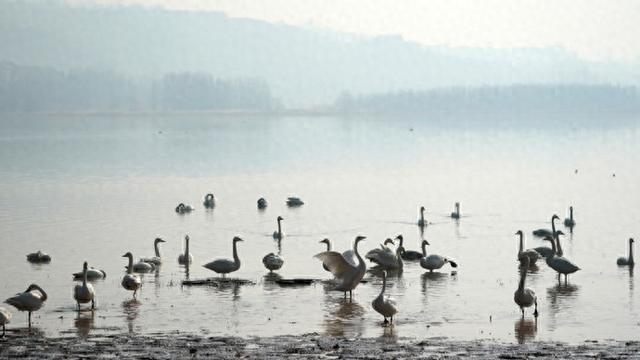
[(92, 188)]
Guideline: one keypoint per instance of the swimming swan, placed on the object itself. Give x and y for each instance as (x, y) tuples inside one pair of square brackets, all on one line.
[(92, 274), (30, 300), (209, 201), (349, 276), (262, 203), (560, 264), (225, 266), (131, 281), (5, 318), (532, 254), (143, 267), (386, 308), (183, 209), (433, 261), (570, 222), (422, 222), (38, 257), (155, 260), (294, 201), (456, 213), (525, 297), (186, 258), (84, 293), (408, 254), (627, 261), (279, 234), (272, 262), (547, 232)]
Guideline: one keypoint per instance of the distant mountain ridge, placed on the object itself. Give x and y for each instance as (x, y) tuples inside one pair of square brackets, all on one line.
[(302, 67)]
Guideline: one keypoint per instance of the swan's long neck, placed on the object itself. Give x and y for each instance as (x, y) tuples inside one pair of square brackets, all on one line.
[(156, 248), (422, 216), (84, 276), (523, 277), (521, 244), (571, 213), (384, 285), (401, 241), (553, 247), (553, 226), (361, 263), (130, 269), (236, 259), (186, 250), (328, 246), (399, 256), (559, 248), (457, 209), (424, 250), (279, 228), (630, 252)]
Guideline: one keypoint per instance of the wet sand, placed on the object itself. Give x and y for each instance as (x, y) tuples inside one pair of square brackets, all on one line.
[(310, 346)]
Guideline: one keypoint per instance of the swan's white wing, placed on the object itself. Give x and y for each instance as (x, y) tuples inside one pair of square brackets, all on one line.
[(351, 258), (336, 263)]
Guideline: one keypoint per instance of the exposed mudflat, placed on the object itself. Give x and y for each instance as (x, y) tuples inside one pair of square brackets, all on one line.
[(312, 346)]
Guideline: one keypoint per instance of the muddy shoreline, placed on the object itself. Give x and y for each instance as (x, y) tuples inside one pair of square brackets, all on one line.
[(310, 346)]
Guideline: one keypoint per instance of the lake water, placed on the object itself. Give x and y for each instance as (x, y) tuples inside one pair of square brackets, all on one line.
[(94, 187)]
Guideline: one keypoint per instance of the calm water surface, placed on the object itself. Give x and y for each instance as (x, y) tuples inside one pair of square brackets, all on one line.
[(93, 188)]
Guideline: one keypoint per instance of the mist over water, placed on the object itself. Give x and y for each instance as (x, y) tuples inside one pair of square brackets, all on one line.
[(94, 187)]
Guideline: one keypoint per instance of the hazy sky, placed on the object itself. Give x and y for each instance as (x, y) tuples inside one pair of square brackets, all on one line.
[(593, 29)]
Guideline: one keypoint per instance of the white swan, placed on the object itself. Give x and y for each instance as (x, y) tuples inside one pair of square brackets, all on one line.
[(209, 201), (262, 203), (38, 257), (186, 258), (92, 274), (433, 261), (5, 318), (279, 234), (629, 260), (183, 209), (525, 297), (225, 266), (570, 222), (408, 254), (456, 213), (387, 260), (30, 300), (558, 263), (386, 308), (348, 255), (272, 261), (294, 201), (547, 232), (131, 281), (422, 222), (84, 293), (532, 254), (155, 260), (374, 253), (349, 276)]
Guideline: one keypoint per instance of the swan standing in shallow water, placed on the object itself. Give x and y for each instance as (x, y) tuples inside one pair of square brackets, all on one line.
[(5, 318), (545, 251), (131, 281), (92, 274), (272, 262), (408, 254), (422, 222), (38, 257), (532, 254), (570, 222), (558, 263), (348, 255), (629, 260), (279, 234), (525, 297), (183, 209), (185, 258), (84, 293), (262, 203), (386, 308), (30, 300), (225, 266), (456, 213), (348, 275), (209, 201), (155, 260), (386, 259), (433, 261), (547, 232)]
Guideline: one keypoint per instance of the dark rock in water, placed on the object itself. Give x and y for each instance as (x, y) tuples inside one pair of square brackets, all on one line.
[(217, 282), (294, 282)]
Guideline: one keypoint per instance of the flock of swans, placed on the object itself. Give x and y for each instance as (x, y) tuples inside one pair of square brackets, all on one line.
[(348, 267)]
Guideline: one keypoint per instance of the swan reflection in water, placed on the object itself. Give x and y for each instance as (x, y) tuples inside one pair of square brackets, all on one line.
[(344, 317), (84, 323), (525, 329), (434, 280), (131, 310), (561, 297)]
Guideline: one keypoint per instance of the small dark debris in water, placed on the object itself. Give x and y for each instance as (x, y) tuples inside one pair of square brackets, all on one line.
[(293, 282), (217, 282), (410, 129), (614, 175), (575, 171), (193, 350)]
